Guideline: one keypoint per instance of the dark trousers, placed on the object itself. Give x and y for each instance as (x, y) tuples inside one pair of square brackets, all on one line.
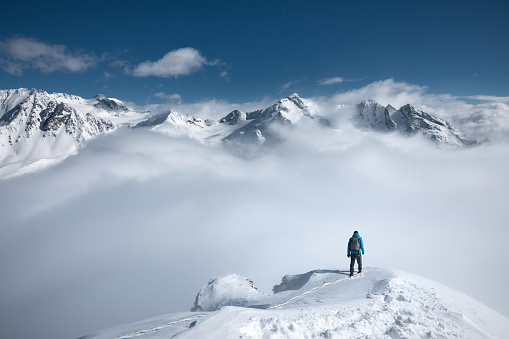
[(353, 257)]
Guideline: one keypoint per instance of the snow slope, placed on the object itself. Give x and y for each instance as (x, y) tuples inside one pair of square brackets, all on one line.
[(377, 303), (38, 129)]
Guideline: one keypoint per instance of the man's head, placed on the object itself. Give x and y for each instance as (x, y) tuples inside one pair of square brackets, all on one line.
[(355, 232)]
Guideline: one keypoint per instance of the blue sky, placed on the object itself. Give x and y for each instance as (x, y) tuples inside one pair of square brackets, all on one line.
[(157, 51)]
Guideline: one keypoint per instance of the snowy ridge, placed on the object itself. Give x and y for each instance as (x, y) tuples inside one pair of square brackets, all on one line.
[(260, 129), (377, 303), (409, 120), (38, 129)]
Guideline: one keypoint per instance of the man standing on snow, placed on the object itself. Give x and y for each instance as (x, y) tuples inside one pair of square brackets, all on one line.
[(355, 246)]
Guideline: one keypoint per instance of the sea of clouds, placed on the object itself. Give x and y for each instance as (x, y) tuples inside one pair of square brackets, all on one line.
[(135, 223)]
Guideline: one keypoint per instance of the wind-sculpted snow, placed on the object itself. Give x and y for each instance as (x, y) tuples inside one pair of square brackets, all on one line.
[(230, 290), (377, 303)]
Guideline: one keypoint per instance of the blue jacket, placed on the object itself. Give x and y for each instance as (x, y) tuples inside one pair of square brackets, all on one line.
[(348, 252)]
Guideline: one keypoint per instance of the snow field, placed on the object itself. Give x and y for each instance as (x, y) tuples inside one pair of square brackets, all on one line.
[(400, 311), (378, 303)]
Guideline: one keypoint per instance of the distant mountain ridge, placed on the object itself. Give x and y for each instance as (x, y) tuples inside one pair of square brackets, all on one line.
[(36, 126), (409, 120), (286, 111)]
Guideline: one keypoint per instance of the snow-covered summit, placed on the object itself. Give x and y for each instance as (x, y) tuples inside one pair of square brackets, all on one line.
[(409, 120), (377, 303), (109, 103), (262, 126), (38, 128), (234, 117), (373, 115)]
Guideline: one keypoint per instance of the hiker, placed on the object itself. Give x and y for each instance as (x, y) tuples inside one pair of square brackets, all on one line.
[(355, 247)]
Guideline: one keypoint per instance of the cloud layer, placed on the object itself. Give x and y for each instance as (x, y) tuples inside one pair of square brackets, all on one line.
[(139, 218), (331, 81), (18, 54)]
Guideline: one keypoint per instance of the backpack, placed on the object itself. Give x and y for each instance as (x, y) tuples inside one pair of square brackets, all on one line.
[(354, 244)]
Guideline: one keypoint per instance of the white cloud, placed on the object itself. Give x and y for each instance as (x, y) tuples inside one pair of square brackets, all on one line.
[(107, 76), (174, 98), (331, 81), (287, 86), (183, 61), (21, 53), (224, 75), (488, 98), (487, 119), (155, 217)]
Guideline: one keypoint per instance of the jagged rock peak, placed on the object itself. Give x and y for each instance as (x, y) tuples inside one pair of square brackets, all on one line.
[(233, 117), (34, 91), (296, 99), (107, 103), (154, 120), (373, 115), (367, 103), (409, 120), (100, 97)]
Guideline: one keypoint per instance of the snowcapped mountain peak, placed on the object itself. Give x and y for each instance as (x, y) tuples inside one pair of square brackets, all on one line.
[(99, 97), (261, 127), (409, 120), (35, 126), (233, 117), (371, 114), (155, 120), (66, 96), (367, 103), (34, 91), (294, 99), (188, 120), (109, 104), (298, 101)]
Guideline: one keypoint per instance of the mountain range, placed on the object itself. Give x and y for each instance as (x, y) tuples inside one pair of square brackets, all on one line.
[(38, 129)]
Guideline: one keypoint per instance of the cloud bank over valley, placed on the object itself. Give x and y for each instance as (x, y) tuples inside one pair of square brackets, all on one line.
[(135, 223)]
